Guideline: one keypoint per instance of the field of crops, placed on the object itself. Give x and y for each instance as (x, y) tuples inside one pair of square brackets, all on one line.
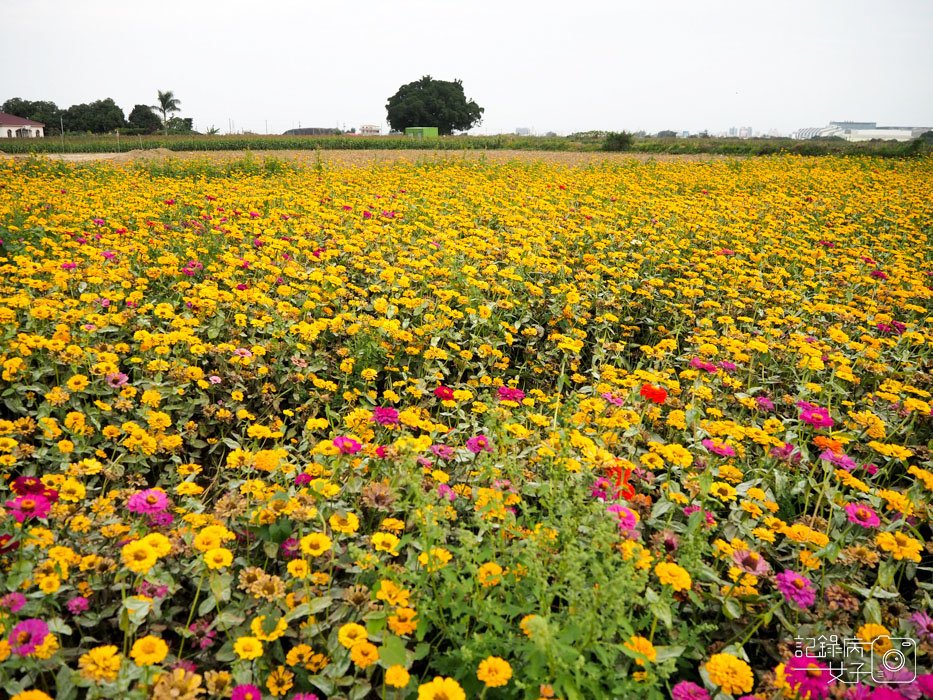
[(112, 143), (461, 429)]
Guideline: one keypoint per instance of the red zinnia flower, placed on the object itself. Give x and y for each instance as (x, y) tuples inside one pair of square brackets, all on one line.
[(654, 394), (444, 393)]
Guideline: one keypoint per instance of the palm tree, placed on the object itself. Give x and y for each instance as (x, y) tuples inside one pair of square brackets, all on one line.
[(168, 103)]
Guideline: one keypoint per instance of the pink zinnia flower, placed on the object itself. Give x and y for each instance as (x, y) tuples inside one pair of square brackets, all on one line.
[(509, 394), (808, 676), (685, 690), (718, 447), (478, 443), (246, 692), (697, 363), (787, 453), (78, 605), (13, 602), (443, 451), (627, 519), (764, 403), (149, 501), (27, 636), (31, 506), (923, 624), (385, 415), (814, 415), (347, 446), (796, 588), (751, 562), (862, 515), (614, 400), (840, 460), (116, 379)]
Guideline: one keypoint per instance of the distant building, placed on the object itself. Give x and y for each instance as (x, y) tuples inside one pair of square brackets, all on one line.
[(861, 131), (421, 132), (18, 128), (370, 130), (745, 132), (312, 131), (522, 131)]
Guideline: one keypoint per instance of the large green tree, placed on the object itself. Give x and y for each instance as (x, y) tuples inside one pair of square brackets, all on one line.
[(430, 102), (97, 117), (168, 104), (142, 117)]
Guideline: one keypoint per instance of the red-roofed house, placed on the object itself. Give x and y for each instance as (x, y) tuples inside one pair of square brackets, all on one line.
[(16, 127)]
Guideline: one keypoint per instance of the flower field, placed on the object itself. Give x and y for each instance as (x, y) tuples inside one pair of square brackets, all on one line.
[(457, 429)]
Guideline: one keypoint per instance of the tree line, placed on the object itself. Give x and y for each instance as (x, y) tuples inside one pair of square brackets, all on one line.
[(102, 116)]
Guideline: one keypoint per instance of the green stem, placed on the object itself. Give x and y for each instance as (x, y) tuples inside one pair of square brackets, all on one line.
[(194, 605)]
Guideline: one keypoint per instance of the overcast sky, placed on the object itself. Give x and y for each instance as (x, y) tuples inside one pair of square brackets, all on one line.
[(563, 67)]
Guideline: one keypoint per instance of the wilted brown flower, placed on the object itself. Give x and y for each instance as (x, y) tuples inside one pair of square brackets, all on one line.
[(177, 685)]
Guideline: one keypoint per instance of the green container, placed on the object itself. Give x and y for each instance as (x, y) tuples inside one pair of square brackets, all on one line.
[(421, 132)]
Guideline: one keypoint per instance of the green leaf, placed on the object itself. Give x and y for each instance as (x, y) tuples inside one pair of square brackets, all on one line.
[(873, 611), (731, 608), (64, 684), (393, 651), (665, 653), (206, 605), (360, 690)]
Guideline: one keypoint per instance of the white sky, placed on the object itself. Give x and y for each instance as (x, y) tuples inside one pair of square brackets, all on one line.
[(563, 67)]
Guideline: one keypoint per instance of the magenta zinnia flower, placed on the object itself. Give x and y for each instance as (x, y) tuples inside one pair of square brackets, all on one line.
[(787, 453), (764, 403), (347, 446), (808, 676), (78, 605), (627, 519), (796, 588), (814, 415), (28, 635), (150, 501), (697, 363), (246, 692), (443, 451), (862, 515), (385, 415), (478, 443), (509, 394), (718, 447), (31, 506), (685, 690), (13, 602), (840, 460)]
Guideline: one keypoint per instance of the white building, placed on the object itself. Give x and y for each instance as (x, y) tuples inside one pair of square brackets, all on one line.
[(370, 130), (18, 128), (862, 131)]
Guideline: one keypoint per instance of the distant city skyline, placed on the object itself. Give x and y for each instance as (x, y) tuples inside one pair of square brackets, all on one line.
[(589, 65)]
